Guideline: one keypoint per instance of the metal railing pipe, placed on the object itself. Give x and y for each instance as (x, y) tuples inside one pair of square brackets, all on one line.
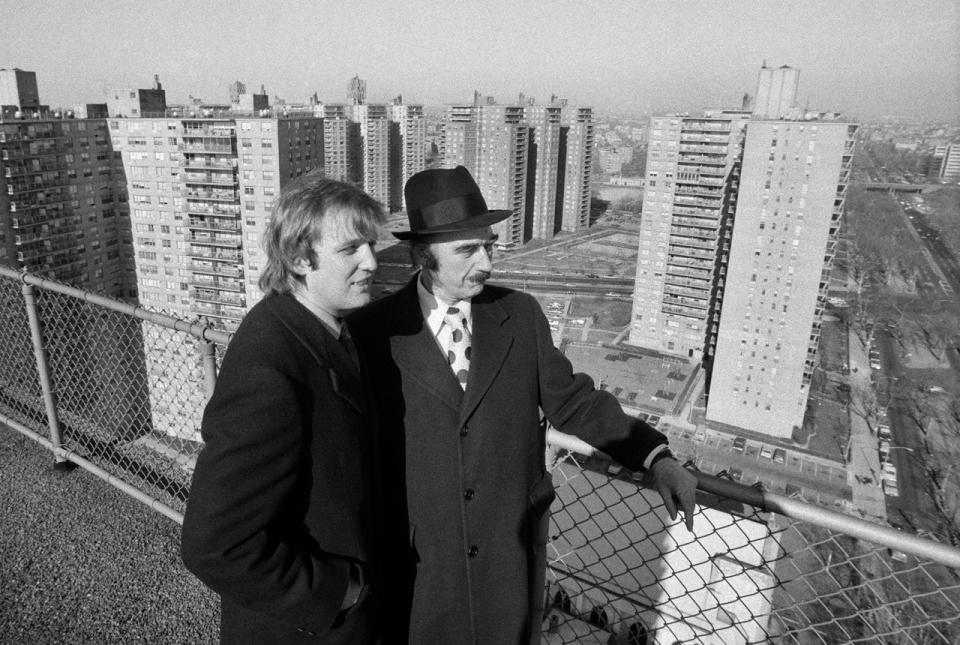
[(797, 510), (208, 357), (66, 455), (43, 371), (197, 330)]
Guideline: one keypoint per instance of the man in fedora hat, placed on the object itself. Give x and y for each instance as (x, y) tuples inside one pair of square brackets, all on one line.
[(461, 371)]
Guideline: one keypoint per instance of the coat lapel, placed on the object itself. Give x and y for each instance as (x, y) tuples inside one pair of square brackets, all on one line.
[(415, 350), (325, 350), (491, 343)]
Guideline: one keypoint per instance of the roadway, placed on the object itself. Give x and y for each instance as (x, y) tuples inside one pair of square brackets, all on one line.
[(913, 505), (930, 238)]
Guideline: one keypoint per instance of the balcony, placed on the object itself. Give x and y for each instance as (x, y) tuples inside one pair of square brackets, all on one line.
[(211, 179), (759, 567), (213, 239), (215, 224), (216, 268), (689, 200), (215, 296), (207, 163), (205, 281), (206, 148), (212, 195), (219, 210), (214, 253)]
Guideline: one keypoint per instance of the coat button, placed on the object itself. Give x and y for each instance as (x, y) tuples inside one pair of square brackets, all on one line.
[(469, 494), (473, 551)]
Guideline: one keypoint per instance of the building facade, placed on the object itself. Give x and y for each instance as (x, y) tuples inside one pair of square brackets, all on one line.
[(950, 164), (576, 167), (776, 94), (19, 88), (373, 130), (63, 204), (408, 138), (684, 232), (789, 206), (201, 192), (543, 163)]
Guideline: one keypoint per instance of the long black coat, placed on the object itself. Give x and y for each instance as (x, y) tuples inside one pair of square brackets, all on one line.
[(282, 499), (473, 513)]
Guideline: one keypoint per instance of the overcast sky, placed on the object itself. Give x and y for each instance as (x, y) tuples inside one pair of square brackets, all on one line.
[(865, 58)]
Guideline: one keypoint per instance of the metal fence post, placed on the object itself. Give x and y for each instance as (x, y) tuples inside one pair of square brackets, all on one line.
[(49, 396), (208, 355)]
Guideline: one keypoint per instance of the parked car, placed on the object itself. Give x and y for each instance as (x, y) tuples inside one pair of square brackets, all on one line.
[(779, 455), (735, 474), (739, 444), (653, 420), (890, 488), (792, 490), (700, 435), (766, 452)]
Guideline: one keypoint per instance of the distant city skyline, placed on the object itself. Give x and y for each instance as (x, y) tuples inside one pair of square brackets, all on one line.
[(864, 58)]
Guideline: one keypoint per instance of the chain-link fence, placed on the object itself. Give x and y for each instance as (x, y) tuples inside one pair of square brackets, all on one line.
[(126, 386), (120, 390), (620, 571)]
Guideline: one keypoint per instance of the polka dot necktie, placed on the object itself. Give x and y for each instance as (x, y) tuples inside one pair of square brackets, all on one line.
[(458, 349)]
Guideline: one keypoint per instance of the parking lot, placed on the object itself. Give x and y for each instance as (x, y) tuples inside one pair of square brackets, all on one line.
[(815, 479)]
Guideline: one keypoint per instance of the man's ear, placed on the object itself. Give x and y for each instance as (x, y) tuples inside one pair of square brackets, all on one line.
[(301, 266)]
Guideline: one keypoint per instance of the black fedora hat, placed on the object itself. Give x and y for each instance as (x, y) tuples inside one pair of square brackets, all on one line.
[(442, 200)]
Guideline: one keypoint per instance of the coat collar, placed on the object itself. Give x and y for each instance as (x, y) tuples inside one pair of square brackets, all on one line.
[(415, 349), (323, 347)]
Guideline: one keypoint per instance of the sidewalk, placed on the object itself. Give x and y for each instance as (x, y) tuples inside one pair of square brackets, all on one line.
[(864, 459), (84, 563)]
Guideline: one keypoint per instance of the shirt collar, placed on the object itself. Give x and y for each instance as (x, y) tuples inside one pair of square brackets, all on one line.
[(333, 325), (433, 310)]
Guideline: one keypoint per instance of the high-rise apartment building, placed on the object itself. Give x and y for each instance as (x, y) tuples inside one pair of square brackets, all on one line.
[(950, 165), (356, 91), (408, 132), (740, 219), (374, 149), (63, 204), (18, 88), (341, 144), (541, 220), (789, 206), (576, 165), (684, 229), (130, 102), (534, 160), (236, 90), (501, 167), (492, 142), (63, 201), (201, 192), (776, 96)]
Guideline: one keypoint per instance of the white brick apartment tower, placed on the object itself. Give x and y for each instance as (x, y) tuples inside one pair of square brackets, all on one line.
[(690, 185), (791, 197)]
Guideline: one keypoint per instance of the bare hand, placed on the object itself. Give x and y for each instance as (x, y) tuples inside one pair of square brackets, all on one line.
[(677, 486)]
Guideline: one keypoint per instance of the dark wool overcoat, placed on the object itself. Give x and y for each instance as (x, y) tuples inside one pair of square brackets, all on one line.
[(282, 499), (472, 494)]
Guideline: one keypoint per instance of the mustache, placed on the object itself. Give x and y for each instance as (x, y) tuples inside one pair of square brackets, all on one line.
[(479, 277)]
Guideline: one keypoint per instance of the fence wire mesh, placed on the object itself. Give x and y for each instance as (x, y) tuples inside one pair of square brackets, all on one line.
[(620, 571), (130, 393), (21, 397)]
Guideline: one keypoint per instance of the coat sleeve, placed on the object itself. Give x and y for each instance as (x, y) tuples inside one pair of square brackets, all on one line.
[(574, 406), (242, 532)]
